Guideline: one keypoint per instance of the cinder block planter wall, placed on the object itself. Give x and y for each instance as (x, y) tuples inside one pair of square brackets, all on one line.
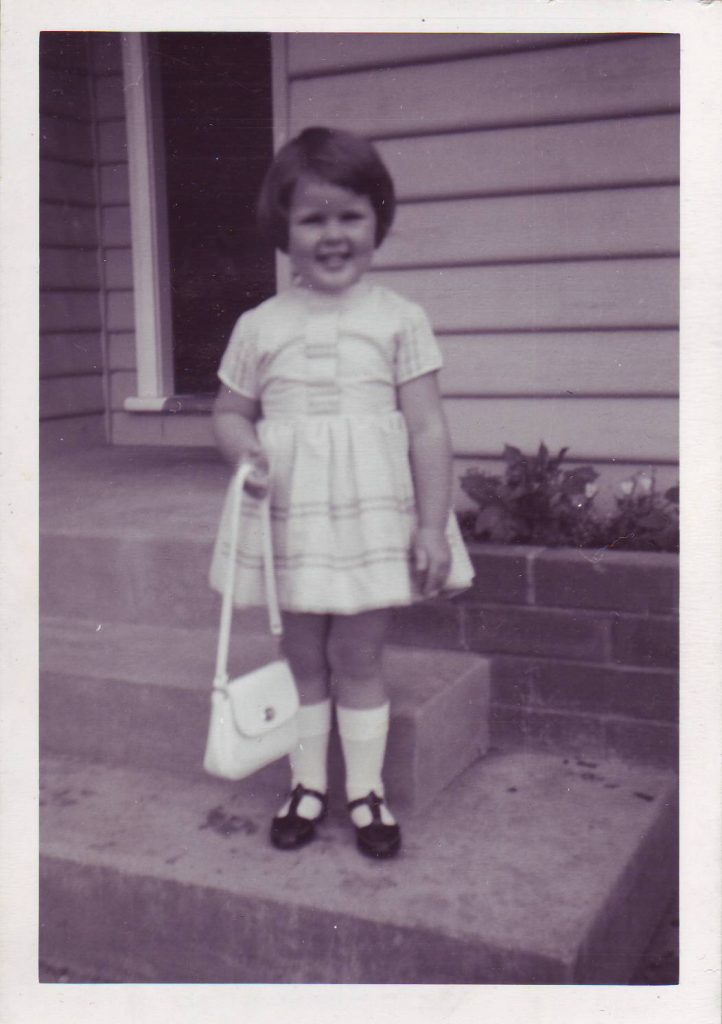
[(583, 646)]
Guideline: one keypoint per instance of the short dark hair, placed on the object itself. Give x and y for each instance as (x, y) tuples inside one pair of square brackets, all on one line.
[(335, 156)]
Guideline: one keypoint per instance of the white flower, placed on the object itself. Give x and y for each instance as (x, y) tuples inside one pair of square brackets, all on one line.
[(645, 482), (626, 486)]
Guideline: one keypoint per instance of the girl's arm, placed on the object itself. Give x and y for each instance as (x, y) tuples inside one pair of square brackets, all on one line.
[(234, 419), (431, 465)]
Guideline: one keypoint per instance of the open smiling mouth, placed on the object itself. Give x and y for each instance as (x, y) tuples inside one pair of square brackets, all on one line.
[(334, 261)]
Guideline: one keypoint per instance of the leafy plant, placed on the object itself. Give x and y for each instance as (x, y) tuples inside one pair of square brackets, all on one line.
[(536, 501), (645, 519)]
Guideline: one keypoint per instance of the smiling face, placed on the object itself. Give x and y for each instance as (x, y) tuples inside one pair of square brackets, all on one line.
[(331, 234)]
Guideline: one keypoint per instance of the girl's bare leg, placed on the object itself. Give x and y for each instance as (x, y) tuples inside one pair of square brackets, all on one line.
[(355, 646), (305, 637)]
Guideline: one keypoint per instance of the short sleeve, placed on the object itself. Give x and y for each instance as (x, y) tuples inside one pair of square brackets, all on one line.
[(417, 350), (239, 365)]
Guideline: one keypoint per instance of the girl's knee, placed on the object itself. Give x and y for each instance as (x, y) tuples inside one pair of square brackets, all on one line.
[(354, 656), (351, 661), (306, 659)]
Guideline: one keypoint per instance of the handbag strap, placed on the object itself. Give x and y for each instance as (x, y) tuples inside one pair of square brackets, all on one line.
[(274, 614)]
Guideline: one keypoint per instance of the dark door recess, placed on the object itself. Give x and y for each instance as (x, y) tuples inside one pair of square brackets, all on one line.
[(217, 130)]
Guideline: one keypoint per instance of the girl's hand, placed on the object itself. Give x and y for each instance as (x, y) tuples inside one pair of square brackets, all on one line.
[(431, 559), (257, 481)]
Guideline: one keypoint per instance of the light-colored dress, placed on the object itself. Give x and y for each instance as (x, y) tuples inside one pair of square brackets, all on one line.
[(325, 369)]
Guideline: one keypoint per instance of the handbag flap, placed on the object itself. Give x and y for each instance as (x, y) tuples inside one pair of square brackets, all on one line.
[(264, 699)]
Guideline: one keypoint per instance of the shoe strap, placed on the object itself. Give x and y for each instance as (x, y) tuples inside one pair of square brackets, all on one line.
[(373, 801), (299, 792)]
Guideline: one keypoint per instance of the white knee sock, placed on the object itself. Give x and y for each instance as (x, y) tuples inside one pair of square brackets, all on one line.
[(308, 760), (363, 733)]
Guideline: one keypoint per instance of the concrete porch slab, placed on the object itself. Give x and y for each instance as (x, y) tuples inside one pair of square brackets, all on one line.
[(530, 868), (138, 695), (129, 488)]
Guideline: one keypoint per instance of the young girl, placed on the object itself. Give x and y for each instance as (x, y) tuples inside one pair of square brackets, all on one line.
[(330, 390)]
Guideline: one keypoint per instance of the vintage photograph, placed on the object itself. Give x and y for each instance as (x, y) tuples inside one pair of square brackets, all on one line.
[(359, 508)]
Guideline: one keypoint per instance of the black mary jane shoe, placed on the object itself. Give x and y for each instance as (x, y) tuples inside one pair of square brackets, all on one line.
[(291, 831), (377, 839)]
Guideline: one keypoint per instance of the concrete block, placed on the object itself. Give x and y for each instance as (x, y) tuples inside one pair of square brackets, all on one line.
[(146, 877), (138, 695), (501, 574), (519, 727), (440, 720), (587, 687), (648, 742), (652, 641), (631, 581), (515, 726), (434, 623), (537, 632)]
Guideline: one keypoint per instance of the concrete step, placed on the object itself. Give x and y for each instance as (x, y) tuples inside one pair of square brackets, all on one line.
[(127, 534), (529, 869), (138, 695)]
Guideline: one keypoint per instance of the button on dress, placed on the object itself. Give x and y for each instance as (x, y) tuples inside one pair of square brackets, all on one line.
[(325, 369)]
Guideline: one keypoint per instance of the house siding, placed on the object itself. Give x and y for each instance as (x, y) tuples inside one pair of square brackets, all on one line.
[(114, 204), (71, 393), (537, 223)]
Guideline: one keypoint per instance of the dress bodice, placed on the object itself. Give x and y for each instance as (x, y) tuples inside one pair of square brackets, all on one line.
[(308, 354)]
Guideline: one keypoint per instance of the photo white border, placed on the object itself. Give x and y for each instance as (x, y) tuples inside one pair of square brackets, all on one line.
[(697, 997)]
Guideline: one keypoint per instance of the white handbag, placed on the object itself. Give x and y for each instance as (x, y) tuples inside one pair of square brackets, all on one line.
[(253, 717)]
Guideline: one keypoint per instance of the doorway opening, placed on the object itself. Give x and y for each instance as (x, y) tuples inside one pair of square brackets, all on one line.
[(215, 91)]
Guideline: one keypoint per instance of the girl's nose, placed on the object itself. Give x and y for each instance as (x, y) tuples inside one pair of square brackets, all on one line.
[(332, 229)]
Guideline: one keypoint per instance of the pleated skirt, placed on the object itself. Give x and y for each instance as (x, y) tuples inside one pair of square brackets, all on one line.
[(343, 517)]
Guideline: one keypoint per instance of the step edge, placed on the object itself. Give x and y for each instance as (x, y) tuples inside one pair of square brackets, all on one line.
[(664, 821), (71, 622), (561, 965)]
